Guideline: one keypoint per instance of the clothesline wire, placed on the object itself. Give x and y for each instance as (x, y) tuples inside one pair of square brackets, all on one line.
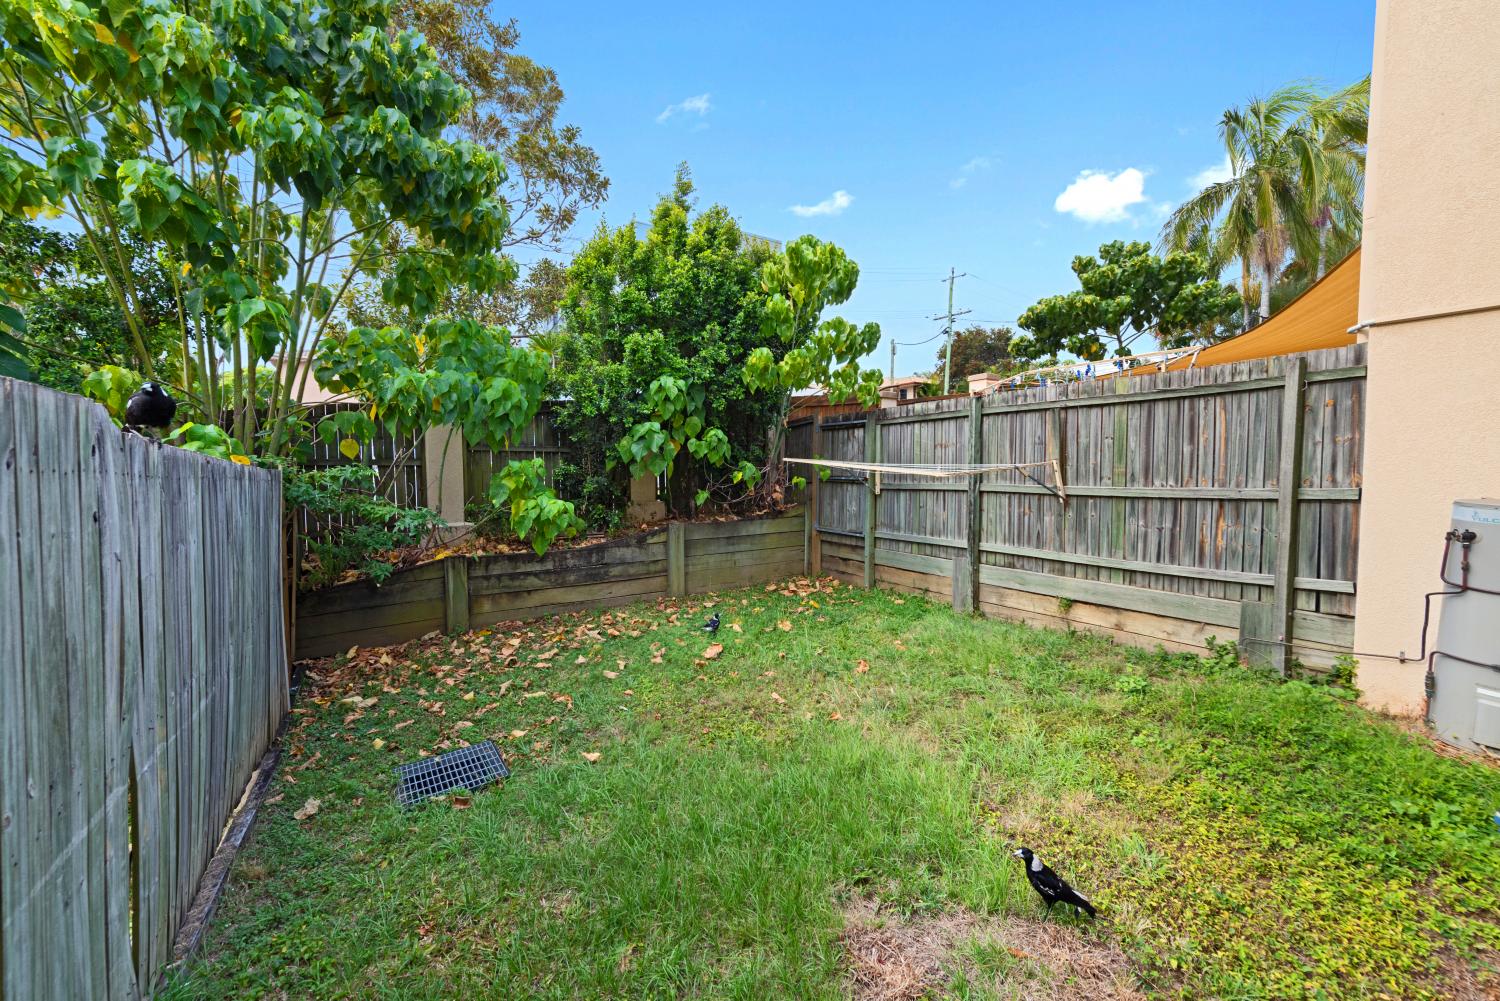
[(940, 470)]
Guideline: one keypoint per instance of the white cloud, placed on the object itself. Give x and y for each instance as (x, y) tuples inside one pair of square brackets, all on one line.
[(699, 106), (975, 164), (834, 204), (1099, 196), (1217, 174)]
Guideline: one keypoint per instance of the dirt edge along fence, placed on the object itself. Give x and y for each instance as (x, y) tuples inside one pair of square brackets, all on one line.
[(1221, 501), (143, 673), (464, 592)]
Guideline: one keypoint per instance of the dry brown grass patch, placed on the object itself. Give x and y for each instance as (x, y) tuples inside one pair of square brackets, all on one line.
[(903, 958)]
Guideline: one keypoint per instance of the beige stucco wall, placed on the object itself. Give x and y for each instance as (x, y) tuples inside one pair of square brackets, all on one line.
[(1431, 245)]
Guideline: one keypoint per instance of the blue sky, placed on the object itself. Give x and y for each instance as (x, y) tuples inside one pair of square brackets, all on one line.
[(920, 137)]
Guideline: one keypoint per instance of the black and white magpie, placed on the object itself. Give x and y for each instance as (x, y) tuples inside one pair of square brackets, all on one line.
[(1052, 887), (712, 625), (150, 407)]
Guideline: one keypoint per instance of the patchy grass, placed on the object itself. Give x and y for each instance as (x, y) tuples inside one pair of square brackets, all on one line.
[(837, 791)]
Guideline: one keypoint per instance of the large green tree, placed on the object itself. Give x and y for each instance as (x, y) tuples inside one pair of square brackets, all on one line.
[(803, 281), (73, 322), (551, 173), (265, 148), (1126, 293), (977, 349), (1296, 166), (681, 302)]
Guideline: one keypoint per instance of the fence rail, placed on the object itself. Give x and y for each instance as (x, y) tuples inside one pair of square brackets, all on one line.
[(142, 674), (1189, 494)]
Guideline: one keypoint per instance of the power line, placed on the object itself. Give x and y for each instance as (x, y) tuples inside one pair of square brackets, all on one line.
[(925, 340)]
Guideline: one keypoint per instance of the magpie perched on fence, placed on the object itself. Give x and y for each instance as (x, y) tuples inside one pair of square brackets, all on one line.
[(150, 407), (712, 625), (1052, 887)]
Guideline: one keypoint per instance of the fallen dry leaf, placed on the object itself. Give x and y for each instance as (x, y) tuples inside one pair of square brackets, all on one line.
[(778, 699), (736, 627), (714, 649), (275, 799), (405, 722), (590, 756), (308, 809), (863, 667), (517, 734), (462, 802), (611, 675), (377, 743), (784, 625), (835, 716), (468, 696)]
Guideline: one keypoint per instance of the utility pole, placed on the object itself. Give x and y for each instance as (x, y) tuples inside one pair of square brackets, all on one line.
[(893, 360), (948, 358)]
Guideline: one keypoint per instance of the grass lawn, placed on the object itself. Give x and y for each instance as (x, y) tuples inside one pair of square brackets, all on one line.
[(827, 807)]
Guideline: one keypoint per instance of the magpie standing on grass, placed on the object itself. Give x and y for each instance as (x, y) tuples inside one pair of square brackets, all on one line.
[(150, 407), (1052, 887), (712, 625)]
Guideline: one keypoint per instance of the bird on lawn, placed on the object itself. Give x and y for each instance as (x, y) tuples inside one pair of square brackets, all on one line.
[(712, 625), (150, 407), (1052, 887)]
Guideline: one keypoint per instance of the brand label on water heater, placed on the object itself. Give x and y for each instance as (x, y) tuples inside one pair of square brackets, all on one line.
[(1478, 515)]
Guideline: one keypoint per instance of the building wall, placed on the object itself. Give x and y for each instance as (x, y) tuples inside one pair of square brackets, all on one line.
[(1431, 246)]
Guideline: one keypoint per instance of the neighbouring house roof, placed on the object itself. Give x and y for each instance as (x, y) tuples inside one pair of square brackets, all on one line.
[(314, 393), (1318, 318)]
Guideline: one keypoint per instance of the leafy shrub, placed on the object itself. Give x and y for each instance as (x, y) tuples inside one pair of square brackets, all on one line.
[(537, 515), (355, 530), (209, 439), (1341, 675), (1221, 657)]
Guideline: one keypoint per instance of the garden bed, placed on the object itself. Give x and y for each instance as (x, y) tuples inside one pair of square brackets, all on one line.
[(838, 786), (460, 591)]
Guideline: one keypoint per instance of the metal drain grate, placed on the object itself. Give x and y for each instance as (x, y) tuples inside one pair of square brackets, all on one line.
[(466, 768)]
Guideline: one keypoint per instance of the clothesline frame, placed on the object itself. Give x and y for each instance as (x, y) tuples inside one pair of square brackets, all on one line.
[(873, 470)]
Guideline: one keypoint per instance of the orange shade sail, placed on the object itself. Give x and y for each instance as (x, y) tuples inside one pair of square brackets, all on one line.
[(1318, 318)]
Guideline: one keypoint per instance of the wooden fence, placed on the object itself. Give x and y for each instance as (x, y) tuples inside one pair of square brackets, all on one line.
[(142, 674), (463, 592), (1221, 500), (538, 441)]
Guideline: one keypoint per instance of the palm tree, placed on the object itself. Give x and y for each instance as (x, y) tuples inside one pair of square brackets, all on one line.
[(1342, 122), (1295, 158)]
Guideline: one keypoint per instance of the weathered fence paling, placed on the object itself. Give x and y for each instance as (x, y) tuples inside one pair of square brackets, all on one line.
[(142, 675), (1202, 496)]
